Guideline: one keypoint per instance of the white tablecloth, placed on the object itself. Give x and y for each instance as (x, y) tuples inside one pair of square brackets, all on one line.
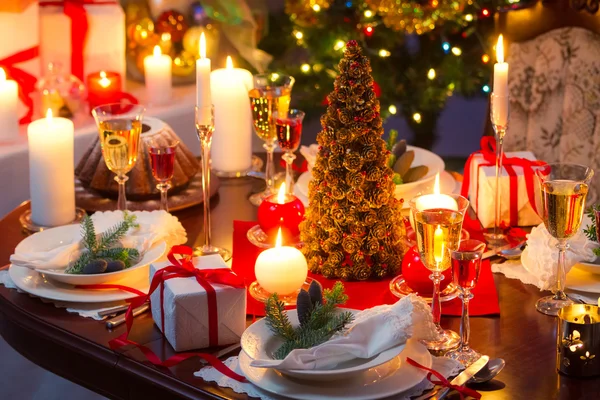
[(14, 161)]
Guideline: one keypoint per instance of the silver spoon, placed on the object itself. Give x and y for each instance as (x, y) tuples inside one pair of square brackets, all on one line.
[(514, 252), (489, 372)]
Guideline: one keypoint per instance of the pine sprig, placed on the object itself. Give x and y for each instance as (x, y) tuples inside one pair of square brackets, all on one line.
[(127, 255), (89, 233), (277, 319), (117, 232), (590, 230)]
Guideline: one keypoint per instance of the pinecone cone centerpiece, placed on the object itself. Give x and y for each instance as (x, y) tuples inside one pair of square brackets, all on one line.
[(353, 228)]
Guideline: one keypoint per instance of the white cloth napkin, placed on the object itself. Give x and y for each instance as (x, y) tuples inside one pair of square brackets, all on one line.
[(86, 310), (374, 330), (445, 366), (154, 226), (539, 260)]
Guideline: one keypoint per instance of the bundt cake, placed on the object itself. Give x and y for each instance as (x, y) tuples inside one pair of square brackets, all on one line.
[(93, 173)]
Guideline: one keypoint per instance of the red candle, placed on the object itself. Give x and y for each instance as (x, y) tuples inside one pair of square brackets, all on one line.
[(281, 210), (104, 87)]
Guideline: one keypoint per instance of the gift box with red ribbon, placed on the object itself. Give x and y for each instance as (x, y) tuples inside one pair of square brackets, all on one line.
[(84, 36), (517, 186), (200, 303)]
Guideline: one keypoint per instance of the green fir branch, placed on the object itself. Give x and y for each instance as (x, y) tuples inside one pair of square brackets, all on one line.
[(117, 232), (277, 319), (590, 230), (84, 259), (127, 255), (89, 233)]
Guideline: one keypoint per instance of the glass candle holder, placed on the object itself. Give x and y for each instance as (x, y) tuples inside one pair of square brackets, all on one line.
[(578, 349)]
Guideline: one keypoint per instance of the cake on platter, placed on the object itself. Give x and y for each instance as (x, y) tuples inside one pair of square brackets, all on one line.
[(93, 173)]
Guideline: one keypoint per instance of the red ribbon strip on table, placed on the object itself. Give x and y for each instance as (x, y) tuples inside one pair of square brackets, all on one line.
[(462, 390), (75, 10), (488, 151), (182, 268), (25, 80)]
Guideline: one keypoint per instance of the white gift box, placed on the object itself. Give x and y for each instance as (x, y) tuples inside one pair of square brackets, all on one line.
[(186, 308), (482, 192), (104, 44)]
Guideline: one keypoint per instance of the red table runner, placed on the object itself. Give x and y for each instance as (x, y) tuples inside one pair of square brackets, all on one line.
[(363, 294)]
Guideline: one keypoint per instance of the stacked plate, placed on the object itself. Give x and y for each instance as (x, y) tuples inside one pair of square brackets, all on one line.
[(58, 285), (381, 376)]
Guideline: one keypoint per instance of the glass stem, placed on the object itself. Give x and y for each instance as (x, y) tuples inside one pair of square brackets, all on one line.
[(122, 200), (499, 156), (465, 327), (164, 187), (560, 273), (269, 146), (436, 303), (205, 146), (289, 158)]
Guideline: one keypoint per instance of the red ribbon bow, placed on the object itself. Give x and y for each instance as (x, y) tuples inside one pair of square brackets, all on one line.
[(488, 151), (182, 268), (462, 390), (25, 80), (75, 10)]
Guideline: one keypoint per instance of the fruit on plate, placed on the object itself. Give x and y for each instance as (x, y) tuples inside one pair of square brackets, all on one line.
[(401, 161)]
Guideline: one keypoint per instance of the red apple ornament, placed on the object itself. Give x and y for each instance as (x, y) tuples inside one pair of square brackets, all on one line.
[(281, 210), (416, 275)]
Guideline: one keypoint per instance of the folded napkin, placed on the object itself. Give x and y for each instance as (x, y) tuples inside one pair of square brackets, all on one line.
[(539, 260), (154, 226), (373, 331)]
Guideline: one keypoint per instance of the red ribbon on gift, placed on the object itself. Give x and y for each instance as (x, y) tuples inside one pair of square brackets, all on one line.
[(182, 268), (462, 390), (488, 151), (25, 80), (75, 10)]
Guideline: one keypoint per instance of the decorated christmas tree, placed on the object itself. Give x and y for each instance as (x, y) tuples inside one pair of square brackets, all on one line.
[(353, 227)]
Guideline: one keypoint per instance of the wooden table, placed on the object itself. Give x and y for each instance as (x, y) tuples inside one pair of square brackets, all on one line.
[(76, 348)]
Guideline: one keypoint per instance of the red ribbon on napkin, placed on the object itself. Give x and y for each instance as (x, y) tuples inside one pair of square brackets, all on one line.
[(182, 267), (75, 10), (488, 151), (462, 390), (25, 80)]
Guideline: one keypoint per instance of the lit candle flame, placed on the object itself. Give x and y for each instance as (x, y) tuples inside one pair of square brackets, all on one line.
[(157, 52), (598, 301), (2, 75), (500, 50), (49, 116), (278, 240), (104, 81), (438, 245), (202, 46), (281, 194), (229, 63), (436, 185)]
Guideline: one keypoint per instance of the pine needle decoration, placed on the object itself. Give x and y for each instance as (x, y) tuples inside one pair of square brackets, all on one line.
[(590, 230)]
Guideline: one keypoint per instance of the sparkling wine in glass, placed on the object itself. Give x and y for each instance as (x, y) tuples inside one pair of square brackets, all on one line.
[(289, 132), (271, 93), (564, 188), (162, 159), (119, 128), (466, 265), (438, 232)]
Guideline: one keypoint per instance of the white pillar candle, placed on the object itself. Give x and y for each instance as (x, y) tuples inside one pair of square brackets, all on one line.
[(9, 99), (500, 106), (436, 200), (231, 150), (51, 171), (157, 69), (282, 269), (203, 95)]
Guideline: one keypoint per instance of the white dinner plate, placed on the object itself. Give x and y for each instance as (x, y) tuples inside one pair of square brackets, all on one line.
[(583, 281), (447, 185), (589, 267), (260, 343), (386, 380), (35, 283)]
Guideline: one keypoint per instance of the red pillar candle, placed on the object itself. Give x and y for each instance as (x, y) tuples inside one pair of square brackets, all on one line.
[(281, 210), (103, 88)]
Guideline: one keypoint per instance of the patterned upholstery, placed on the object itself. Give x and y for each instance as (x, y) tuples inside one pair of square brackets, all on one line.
[(555, 99)]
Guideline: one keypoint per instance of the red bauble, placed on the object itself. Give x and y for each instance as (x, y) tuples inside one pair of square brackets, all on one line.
[(173, 23), (416, 275), (287, 215)]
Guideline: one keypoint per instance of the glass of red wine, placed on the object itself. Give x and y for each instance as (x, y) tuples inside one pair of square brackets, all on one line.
[(162, 159), (466, 265), (288, 126)]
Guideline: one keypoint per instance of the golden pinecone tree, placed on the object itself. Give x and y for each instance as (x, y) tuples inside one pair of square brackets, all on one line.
[(353, 228)]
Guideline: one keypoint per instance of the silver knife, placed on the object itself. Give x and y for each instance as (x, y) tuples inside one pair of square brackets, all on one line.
[(464, 376), (116, 321)]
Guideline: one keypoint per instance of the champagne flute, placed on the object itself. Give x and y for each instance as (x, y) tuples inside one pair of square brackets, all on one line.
[(205, 126), (162, 160), (564, 188), (438, 233), (119, 127), (466, 265), (289, 131), (272, 92)]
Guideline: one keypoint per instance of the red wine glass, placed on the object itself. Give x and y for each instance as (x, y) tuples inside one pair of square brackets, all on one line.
[(162, 159), (288, 126), (466, 265)]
